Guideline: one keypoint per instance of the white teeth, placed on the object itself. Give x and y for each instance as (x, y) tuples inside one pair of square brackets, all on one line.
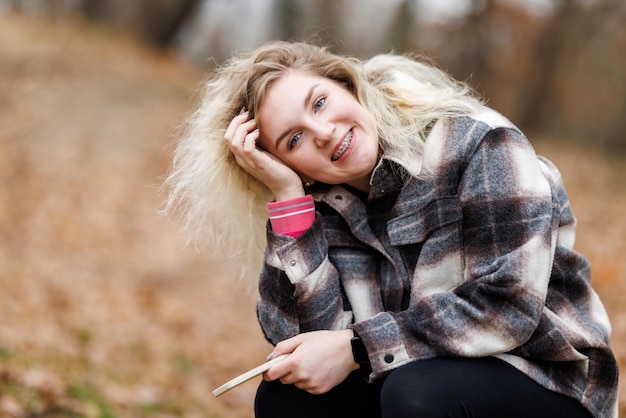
[(344, 146)]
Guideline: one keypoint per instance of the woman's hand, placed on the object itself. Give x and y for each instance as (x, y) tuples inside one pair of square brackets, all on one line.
[(241, 136), (319, 360)]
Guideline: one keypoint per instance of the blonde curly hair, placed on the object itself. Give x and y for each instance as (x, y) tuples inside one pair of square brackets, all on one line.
[(220, 204)]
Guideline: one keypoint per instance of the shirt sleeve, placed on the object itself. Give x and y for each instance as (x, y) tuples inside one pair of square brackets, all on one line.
[(299, 288), (292, 217)]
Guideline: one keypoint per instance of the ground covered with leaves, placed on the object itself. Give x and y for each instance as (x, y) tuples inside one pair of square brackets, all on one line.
[(103, 311)]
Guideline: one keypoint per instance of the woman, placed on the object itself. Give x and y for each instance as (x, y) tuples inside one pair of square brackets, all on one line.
[(419, 256)]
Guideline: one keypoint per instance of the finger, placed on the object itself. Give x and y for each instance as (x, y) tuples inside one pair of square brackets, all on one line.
[(292, 379), (234, 124), (276, 372), (288, 345), (302, 386), (249, 143), (240, 134)]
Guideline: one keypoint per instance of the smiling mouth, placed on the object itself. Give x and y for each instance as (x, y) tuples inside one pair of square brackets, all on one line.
[(343, 147)]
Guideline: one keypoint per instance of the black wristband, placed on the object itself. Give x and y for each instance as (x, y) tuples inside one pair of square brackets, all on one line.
[(360, 355)]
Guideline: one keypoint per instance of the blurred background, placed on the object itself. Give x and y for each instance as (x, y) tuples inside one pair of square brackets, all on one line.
[(104, 312)]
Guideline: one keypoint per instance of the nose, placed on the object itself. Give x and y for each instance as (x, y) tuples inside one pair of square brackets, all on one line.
[(323, 133)]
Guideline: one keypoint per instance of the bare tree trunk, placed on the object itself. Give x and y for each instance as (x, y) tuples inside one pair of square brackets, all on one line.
[(475, 37), (155, 21), (570, 32), (402, 29)]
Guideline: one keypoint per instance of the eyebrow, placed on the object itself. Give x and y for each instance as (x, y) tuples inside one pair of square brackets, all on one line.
[(307, 99)]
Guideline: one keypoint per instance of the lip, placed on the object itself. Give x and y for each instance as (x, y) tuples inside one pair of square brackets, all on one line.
[(349, 137)]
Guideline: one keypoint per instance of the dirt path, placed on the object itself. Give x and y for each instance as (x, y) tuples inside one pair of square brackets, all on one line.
[(102, 313), (100, 307)]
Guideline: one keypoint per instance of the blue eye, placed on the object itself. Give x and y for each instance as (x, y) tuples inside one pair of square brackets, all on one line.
[(319, 103), (293, 141)]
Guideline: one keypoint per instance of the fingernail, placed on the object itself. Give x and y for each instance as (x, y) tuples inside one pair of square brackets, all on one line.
[(269, 356), (242, 111)]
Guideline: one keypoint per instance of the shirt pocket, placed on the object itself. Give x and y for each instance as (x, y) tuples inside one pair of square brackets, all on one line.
[(418, 223), (429, 239)]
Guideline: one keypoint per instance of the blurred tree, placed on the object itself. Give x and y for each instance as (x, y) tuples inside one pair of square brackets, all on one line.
[(561, 73), (223, 26), (301, 19), (346, 25), (577, 83), (562, 38), (155, 21), (474, 39), (404, 23), (561, 70), (289, 17), (489, 48)]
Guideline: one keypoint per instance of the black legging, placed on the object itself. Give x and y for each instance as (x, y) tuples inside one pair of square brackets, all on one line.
[(442, 387)]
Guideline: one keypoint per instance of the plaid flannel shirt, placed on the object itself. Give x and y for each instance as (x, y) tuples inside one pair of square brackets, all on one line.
[(473, 259)]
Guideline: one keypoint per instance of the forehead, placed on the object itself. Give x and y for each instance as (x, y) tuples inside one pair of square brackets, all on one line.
[(295, 81), (289, 93), (292, 88)]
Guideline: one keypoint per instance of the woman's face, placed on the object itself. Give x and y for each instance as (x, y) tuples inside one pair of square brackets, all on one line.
[(319, 129)]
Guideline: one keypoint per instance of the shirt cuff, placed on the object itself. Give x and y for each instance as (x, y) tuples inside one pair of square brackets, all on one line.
[(292, 217)]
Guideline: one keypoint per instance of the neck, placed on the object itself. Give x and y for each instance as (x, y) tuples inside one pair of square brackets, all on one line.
[(361, 184)]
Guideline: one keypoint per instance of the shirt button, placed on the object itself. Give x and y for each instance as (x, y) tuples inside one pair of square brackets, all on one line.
[(389, 358), (292, 263)]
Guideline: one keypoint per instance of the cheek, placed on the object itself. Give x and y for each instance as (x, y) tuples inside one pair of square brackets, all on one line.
[(302, 166), (269, 148)]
